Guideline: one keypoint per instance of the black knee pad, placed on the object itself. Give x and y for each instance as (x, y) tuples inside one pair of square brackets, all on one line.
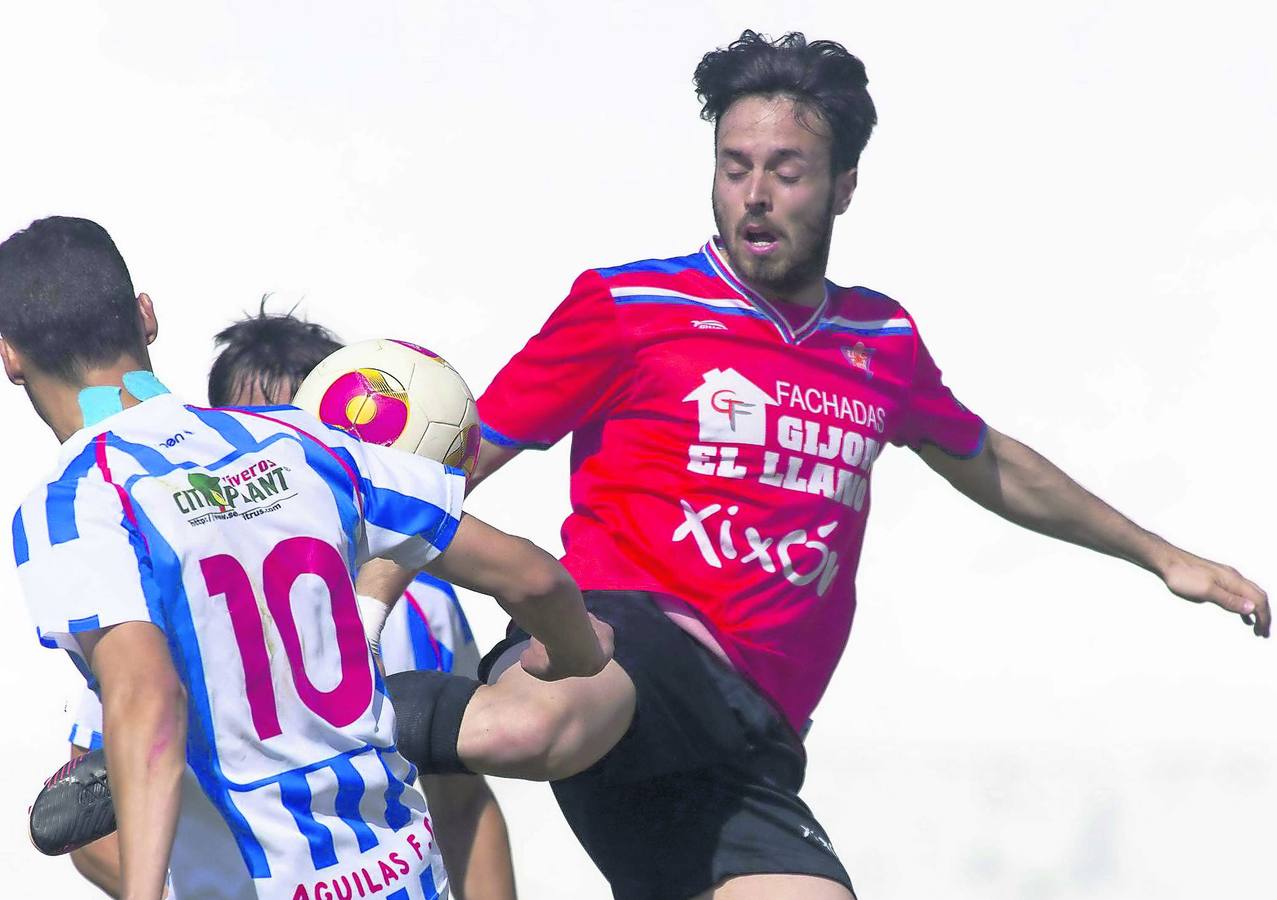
[(428, 710)]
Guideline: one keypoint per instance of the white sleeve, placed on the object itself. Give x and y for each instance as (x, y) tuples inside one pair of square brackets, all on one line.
[(86, 727), (411, 505), (82, 562)]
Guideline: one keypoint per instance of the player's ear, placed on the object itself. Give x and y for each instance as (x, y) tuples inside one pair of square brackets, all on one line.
[(146, 309), (844, 187), (12, 363)]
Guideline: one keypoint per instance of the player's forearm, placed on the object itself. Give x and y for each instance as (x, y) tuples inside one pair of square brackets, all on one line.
[(384, 580), (546, 603), (530, 585), (491, 457), (1026, 488), (145, 738)]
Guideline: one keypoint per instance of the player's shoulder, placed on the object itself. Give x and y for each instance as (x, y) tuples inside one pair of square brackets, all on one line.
[(78, 462), (864, 309), (77, 499), (691, 273)]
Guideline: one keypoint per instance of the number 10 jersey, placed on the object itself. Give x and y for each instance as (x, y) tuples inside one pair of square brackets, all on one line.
[(236, 532)]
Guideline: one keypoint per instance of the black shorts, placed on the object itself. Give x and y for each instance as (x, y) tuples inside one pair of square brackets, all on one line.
[(704, 785)]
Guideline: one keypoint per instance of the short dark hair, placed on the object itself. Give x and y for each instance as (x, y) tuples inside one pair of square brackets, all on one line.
[(66, 298), (820, 76), (273, 351)]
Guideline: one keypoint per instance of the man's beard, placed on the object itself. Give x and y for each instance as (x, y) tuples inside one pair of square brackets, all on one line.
[(781, 277)]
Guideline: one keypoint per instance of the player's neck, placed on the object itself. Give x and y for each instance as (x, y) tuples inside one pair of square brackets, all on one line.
[(59, 402), (809, 295)]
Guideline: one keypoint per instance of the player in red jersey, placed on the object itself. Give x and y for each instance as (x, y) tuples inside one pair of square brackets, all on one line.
[(726, 408)]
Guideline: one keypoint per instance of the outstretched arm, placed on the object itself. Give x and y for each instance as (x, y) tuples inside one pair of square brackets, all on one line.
[(382, 579), (1024, 487), (535, 590), (491, 457), (144, 732)]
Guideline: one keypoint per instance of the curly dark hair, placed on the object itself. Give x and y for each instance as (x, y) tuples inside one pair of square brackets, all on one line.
[(274, 351), (821, 76)]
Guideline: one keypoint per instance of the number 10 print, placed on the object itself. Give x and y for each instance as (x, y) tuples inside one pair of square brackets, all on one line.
[(284, 564)]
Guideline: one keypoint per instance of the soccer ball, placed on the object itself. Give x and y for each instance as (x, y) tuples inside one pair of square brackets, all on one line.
[(396, 394)]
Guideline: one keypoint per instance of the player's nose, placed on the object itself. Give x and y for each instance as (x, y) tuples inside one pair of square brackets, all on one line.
[(757, 195)]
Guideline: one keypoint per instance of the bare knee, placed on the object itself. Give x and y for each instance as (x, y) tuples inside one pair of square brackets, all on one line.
[(508, 736), (543, 731)]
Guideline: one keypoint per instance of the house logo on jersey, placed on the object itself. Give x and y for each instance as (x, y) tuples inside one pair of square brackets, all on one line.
[(732, 408), (859, 356), (252, 492)]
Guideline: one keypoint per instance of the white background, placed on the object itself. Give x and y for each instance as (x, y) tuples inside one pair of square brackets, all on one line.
[(1076, 200)]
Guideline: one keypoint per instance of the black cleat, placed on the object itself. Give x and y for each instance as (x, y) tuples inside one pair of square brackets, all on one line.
[(74, 808)]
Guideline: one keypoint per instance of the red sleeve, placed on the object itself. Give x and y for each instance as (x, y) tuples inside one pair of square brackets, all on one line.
[(933, 415), (569, 374)]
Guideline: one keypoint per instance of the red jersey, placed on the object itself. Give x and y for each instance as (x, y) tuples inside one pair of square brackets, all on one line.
[(721, 452)]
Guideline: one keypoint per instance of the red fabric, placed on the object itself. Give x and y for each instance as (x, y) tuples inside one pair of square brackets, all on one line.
[(718, 457)]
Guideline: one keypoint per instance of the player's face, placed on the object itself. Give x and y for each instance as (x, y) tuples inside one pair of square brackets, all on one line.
[(775, 194)]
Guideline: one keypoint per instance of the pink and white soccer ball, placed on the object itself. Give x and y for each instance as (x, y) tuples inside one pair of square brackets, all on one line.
[(398, 395)]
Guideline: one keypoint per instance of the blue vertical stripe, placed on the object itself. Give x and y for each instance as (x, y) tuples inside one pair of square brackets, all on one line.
[(397, 815), (201, 751), (294, 791), (21, 553), (59, 503), (350, 790), (401, 894), (423, 648), (428, 885)]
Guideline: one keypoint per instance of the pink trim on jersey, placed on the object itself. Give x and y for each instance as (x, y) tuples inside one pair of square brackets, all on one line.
[(99, 457)]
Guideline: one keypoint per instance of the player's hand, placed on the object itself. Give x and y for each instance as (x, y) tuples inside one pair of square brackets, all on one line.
[(1203, 581), (539, 662)]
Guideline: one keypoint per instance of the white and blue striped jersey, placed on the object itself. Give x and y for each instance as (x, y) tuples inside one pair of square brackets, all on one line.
[(427, 630), (236, 532)]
